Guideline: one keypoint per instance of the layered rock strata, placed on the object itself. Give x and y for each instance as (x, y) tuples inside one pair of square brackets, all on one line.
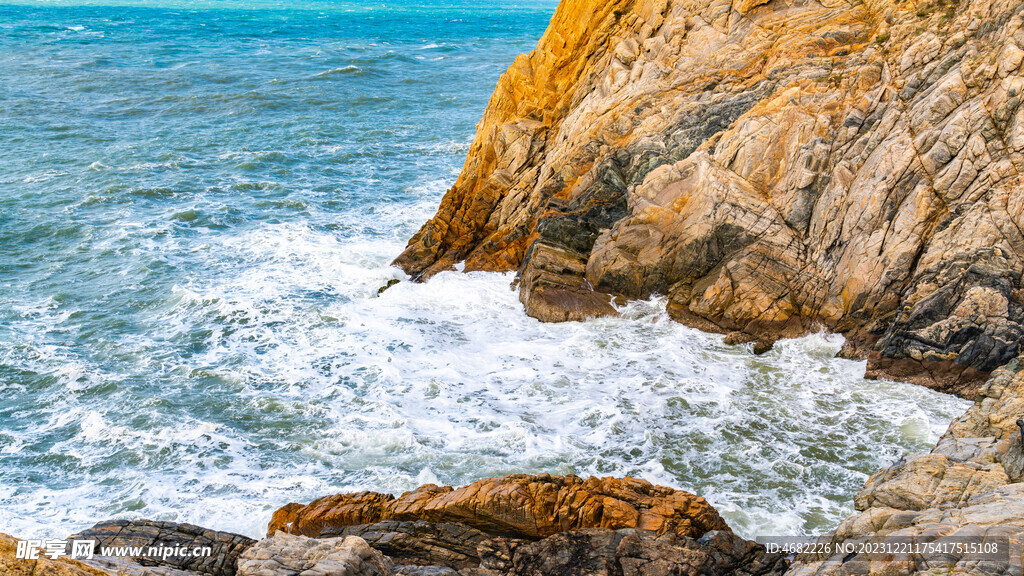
[(772, 167), (225, 548), (519, 506), (969, 486), (527, 525)]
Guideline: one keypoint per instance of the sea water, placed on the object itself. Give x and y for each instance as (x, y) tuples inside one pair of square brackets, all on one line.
[(198, 205)]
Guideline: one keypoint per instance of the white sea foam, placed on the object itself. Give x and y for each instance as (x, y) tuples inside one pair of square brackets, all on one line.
[(448, 381)]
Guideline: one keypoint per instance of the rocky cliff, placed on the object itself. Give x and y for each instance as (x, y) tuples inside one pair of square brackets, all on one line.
[(773, 167)]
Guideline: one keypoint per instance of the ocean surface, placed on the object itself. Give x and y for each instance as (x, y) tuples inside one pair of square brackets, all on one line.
[(198, 204)]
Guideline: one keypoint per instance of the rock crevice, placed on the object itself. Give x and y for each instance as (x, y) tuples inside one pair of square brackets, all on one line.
[(772, 167)]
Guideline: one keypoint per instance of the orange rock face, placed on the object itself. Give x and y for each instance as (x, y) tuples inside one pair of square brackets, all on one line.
[(772, 167), (519, 505)]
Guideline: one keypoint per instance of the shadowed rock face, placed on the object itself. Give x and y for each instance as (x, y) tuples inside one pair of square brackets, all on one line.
[(772, 167), (519, 506)]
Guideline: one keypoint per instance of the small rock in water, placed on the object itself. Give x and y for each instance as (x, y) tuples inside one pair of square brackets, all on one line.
[(390, 283)]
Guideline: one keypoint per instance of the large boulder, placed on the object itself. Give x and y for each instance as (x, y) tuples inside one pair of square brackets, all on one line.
[(287, 555), (521, 506), (629, 552)]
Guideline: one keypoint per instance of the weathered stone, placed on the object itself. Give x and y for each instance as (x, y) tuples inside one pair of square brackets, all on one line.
[(518, 505), (927, 481), (630, 552), (224, 547), (44, 566), (287, 555), (772, 167), (418, 543)]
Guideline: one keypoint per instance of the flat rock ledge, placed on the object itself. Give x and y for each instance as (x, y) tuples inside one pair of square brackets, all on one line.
[(968, 486)]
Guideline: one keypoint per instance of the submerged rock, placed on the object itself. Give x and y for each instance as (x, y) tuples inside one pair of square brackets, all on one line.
[(772, 167), (519, 506)]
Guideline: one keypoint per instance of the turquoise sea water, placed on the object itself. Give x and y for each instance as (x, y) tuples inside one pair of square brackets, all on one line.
[(198, 203)]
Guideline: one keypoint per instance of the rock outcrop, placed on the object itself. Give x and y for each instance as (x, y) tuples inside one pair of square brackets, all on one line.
[(286, 555), (224, 547), (628, 552), (968, 487), (519, 506), (772, 167), (530, 525)]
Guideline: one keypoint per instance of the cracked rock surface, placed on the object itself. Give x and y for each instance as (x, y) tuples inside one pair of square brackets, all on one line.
[(772, 167), (519, 505)]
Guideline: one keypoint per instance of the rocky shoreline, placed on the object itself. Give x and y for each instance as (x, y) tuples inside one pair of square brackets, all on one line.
[(772, 168), (968, 487)]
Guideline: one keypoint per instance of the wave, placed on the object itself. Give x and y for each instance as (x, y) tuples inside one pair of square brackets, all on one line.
[(350, 70)]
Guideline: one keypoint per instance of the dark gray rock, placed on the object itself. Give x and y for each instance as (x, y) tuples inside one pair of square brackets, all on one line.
[(224, 547)]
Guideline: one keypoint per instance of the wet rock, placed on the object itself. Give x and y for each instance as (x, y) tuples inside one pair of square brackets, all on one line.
[(287, 555), (415, 570), (772, 168), (418, 543), (389, 284), (224, 547), (519, 505)]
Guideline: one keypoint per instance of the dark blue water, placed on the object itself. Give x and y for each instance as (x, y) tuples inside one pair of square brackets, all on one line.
[(198, 203)]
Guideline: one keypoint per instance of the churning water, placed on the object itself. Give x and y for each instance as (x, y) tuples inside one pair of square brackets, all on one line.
[(198, 204)]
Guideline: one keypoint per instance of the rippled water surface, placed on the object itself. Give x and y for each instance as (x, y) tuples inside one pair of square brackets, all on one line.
[(198, 203)]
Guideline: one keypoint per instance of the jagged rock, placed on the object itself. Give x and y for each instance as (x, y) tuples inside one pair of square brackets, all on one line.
[(518, 505), (287, 555), (225, 547), (418, 543), (44, 566), (927, 481), (629, 552), (772, 167)]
